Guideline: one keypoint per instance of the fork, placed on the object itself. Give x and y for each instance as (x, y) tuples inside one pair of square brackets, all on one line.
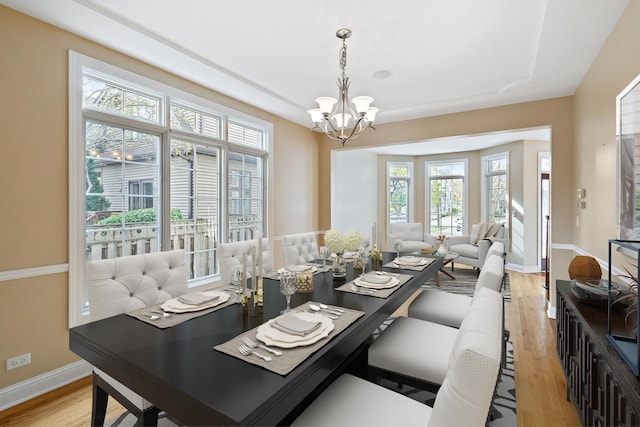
[(252, 344), (362, 289), (245, 351)]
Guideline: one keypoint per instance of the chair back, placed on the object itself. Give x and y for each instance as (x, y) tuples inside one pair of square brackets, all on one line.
[(299, 248), (230, 255), (474, 365), (131, 282), (412, 231), (491, 274)]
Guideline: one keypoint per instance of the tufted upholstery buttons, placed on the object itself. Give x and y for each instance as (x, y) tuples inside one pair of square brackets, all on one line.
[(131, 282), (299, 248)]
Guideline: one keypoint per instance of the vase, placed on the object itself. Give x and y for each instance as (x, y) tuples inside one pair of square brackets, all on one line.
[(339, 267), (442, 250)]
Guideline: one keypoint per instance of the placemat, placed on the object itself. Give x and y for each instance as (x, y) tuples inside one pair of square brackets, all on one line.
[(291, 357), (177, 318), (379, 293), (408, 267)]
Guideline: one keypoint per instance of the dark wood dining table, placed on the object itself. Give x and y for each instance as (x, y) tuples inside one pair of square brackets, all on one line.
[(180, 372)]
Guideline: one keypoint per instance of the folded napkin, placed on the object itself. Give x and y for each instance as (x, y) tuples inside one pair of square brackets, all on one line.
[(292, 324), (197, 298), (376, 279), (298, 268)]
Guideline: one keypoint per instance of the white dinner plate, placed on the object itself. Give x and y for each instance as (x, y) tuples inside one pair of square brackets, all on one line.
[(392, 283), (298, 269), (411, 261), (175, 306), (276, 338)]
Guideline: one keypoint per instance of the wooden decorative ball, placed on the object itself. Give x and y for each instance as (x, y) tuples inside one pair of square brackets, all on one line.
[(584, 267)]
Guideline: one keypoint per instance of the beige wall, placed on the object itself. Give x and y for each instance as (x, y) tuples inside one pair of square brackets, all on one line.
[(34, 175), (594, 156)]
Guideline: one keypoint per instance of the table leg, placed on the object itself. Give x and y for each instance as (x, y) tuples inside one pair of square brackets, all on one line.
[(99, 404)]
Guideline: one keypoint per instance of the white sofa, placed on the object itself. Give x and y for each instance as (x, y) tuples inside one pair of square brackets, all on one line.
[(473, 248), (412, 235), (121, 285), (299, 248), (449, 309), (230, 254), (464, 399)]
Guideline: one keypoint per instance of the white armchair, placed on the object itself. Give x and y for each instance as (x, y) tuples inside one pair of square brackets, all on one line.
[(230, 254), (412, 235), (299, 248), (473, 249), (121, 285)]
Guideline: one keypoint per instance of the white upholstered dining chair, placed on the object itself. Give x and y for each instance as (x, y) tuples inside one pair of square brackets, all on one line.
[(464, 399), (412, 235), (299, 248), (230, 255), (121, 285)]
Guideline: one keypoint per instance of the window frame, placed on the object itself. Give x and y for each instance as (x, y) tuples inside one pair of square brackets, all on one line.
[(409, 180), (78, 64), (485, 184), (465, 188)]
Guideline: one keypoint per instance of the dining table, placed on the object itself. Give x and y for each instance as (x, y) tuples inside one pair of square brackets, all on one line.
[(179, 370)]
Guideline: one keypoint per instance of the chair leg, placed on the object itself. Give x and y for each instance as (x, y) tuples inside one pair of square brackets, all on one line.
[(99, 404), (149, 417)]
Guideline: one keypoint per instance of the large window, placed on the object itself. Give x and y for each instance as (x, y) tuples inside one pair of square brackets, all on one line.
[(496, 173), (399, 190), (446, 194), (159, 166)]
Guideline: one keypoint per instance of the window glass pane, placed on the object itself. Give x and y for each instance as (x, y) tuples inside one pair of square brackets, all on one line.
[(399, 171), (497, 165), (190, 120), (122, 173), (195, 205), (545, 164), (447, 206), (398, 202), (447, 169), (115, 99), (245, 135), (497, 194), (245, 196)]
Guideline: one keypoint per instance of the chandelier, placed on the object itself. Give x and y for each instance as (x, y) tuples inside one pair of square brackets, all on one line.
[(334, 120)]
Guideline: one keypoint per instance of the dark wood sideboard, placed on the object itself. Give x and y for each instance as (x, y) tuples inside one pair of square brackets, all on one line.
[(600, 383)]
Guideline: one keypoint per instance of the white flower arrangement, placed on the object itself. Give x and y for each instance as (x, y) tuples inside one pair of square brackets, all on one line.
[(338, 243)]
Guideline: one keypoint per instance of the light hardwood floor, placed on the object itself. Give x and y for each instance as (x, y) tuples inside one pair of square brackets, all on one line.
[(540, 386)]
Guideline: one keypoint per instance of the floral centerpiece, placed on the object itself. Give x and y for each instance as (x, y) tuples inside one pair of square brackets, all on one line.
[(337, 243)]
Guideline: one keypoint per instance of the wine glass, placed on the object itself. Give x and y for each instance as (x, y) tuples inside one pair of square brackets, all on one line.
[(324, 255), (365, 243), (397, 245), (236, 278), (287, 287), (363, 257)]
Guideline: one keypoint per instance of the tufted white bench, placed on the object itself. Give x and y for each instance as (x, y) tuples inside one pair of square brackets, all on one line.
[(299, 248), (121, 285)]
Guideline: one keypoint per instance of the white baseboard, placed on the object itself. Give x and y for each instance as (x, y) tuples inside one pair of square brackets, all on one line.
[(36, 386), (523, 268), (551, 311)]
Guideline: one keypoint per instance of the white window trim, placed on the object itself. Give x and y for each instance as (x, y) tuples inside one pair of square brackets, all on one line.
[(77, 63), (391, 164), (484, 189), (427, 187)]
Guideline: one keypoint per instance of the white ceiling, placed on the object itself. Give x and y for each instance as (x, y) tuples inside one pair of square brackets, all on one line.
[(443, 56)]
